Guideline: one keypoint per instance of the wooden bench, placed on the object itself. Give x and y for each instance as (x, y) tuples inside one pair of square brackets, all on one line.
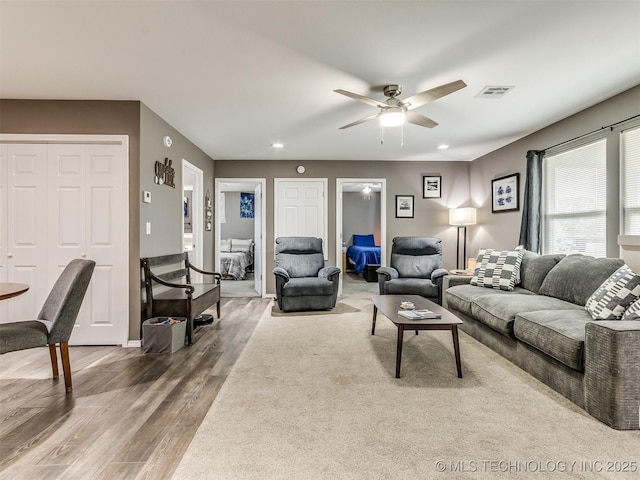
[(182, 299)]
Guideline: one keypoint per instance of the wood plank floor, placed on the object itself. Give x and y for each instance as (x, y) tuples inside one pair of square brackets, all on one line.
[(130, 416)]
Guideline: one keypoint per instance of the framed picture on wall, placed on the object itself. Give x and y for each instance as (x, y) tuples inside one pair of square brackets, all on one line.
[(404, 206), (505, 193), (431, 186)]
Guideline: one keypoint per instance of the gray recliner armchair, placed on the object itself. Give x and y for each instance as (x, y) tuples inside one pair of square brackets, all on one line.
[(302, 281), (415, 268)]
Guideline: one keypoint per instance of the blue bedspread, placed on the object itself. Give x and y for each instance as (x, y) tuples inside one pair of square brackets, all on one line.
[(362, 256)]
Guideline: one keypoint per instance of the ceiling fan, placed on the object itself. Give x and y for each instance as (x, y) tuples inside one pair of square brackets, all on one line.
[(394, 112)]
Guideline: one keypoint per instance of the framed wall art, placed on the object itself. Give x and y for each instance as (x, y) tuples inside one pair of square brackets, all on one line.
[(505, 193), (404, 206), (431, 186)]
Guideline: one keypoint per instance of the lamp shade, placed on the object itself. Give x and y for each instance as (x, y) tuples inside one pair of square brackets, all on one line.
[(462, 216)]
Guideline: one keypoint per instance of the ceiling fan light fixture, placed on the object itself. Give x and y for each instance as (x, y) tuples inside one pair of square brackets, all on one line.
[(393, 117), (366, 189)]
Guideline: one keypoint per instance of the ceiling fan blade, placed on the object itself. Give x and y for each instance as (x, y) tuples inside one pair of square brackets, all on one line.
[(361, 98), (417, 119), (427, 96), (362, 120)]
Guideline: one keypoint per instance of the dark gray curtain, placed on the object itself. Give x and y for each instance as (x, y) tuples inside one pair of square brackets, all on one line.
[(530, 228)]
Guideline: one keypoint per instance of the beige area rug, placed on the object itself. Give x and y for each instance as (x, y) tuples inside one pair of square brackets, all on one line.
[(314, 397), (339, 309)]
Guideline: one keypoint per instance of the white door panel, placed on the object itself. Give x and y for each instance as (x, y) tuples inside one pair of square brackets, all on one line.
[(300, 209), (27, 227), (257, 240), (69, 201)]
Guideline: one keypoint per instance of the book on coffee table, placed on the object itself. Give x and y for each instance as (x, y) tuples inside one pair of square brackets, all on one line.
[(419, 314)]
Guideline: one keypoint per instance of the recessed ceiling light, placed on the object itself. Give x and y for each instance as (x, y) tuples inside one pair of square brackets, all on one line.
[(443, 147), (277, 145)]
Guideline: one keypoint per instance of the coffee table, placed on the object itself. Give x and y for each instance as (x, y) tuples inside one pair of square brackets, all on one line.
[(389, 306)]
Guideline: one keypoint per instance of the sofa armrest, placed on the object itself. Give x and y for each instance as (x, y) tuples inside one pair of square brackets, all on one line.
[(281, 272), (438, 273), (453, 280), (330, 273), (388, 272), (612, 373)]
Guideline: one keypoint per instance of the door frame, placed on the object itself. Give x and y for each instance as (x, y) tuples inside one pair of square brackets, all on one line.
[(197, 213), (340, 182), (263, 226)]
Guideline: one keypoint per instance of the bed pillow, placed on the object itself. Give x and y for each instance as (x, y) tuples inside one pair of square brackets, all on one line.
[(499, 269), (241, 245), (364, 240), (225, 245), (615, 295)]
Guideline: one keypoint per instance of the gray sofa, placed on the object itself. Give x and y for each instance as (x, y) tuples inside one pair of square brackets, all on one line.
[(542, 327)]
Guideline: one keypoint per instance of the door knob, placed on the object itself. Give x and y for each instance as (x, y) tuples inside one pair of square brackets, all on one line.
[(10, 255)]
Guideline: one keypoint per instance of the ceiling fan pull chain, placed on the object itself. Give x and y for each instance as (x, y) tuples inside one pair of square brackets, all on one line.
[(401, 136), (381, 135)]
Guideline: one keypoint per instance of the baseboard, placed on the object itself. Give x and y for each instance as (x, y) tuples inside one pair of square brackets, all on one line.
[(133, 344)]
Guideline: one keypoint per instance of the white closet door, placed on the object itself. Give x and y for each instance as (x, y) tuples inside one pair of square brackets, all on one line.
[(301, 208), (89, 219), (3, 226), (26, 249)]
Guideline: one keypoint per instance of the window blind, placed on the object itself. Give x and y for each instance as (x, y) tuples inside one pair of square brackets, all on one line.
[(630, 180), (575, 200)]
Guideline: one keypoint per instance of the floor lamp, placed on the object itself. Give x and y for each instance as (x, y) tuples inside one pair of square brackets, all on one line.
[(461, 217)]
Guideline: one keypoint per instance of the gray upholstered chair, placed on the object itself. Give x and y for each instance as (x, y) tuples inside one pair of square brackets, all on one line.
[(302, 280), (415, 268), (56, 319)]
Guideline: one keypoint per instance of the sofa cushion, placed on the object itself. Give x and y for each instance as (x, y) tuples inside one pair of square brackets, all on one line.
[(633, 312), (499, 311), (534, 269), (498, 269), (415, 266), (305, 286), (411, 286), (460, 297), (559, 334), (613, 297), (577, 276)]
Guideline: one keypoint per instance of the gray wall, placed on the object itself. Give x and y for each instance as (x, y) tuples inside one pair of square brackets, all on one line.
[(360, 216), (403, 178), (501, 230), (235, 227)]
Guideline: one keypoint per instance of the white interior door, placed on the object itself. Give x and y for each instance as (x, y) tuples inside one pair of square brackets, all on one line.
[(89, 219), (3, 226), (27, 213), (301, 209), (257, 240)]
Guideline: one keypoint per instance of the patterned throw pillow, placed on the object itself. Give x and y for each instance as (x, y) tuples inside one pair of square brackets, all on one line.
[(499, 269), (633, 312), (612, 298)]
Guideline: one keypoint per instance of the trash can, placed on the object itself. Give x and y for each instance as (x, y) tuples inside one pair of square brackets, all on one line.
[(159, 335)]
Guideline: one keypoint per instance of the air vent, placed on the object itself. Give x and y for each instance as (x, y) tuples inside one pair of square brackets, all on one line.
[(494, 92)]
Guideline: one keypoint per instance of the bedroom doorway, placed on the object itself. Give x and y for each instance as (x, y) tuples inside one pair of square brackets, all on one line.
[(239, 236), (360, 215), (192, 198)]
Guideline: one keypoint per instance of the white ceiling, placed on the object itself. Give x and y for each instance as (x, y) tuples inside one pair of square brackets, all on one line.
[(236, 76)]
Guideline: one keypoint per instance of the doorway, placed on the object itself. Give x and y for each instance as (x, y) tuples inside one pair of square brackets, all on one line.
[(193, 198), (239, 236), (360, 210)]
